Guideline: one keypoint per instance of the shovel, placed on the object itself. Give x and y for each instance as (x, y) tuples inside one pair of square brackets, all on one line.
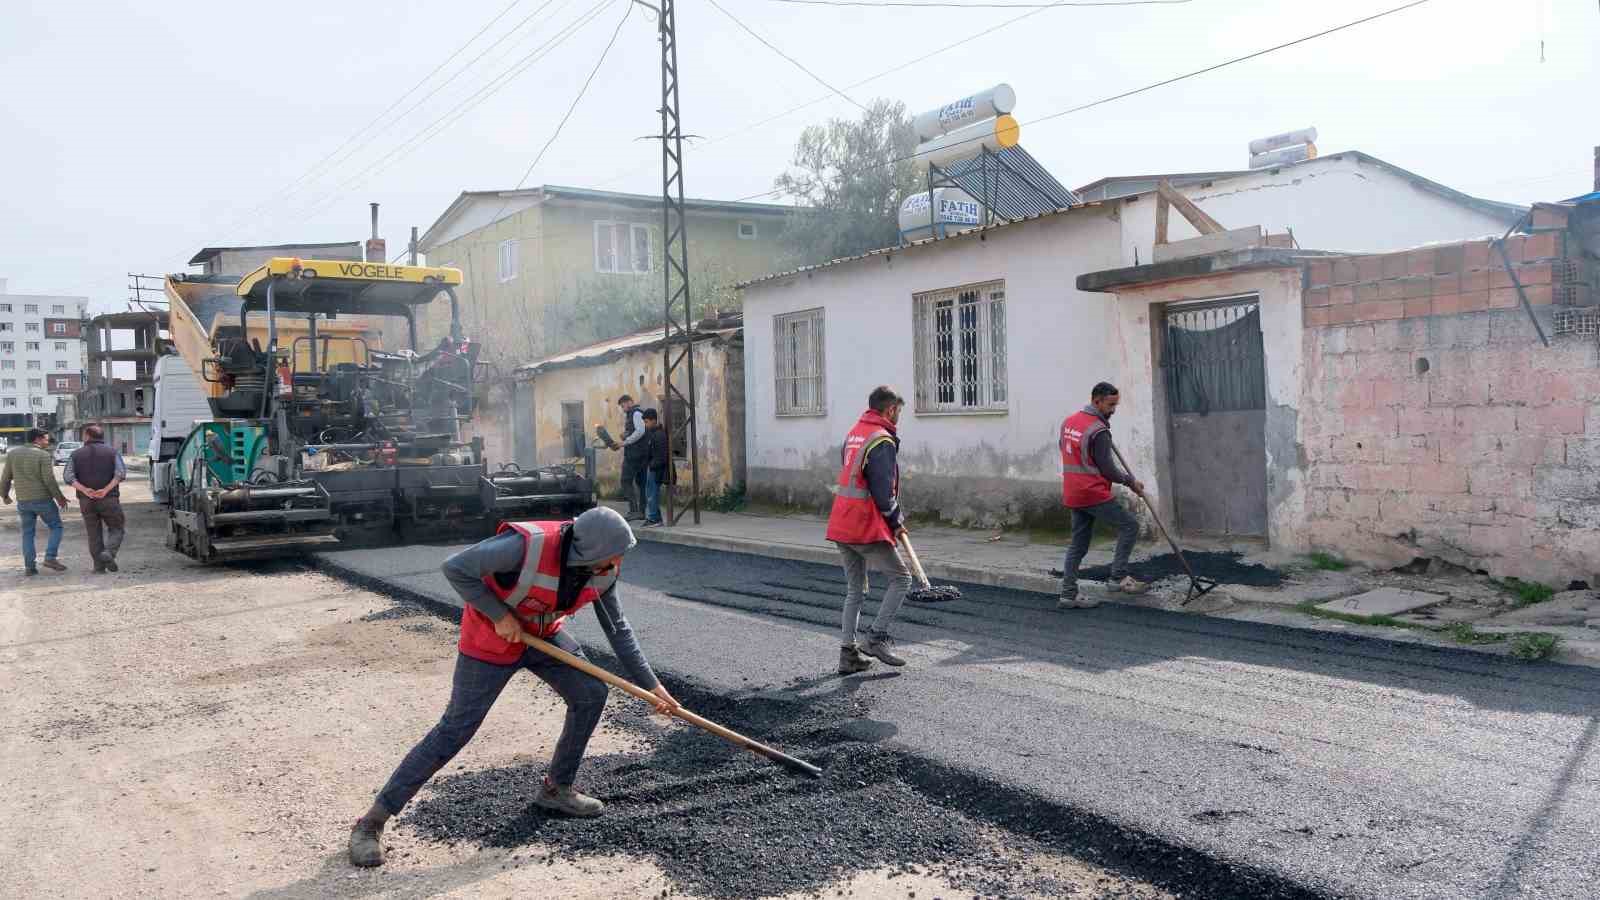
[(927, 593), (1198, 586), (728, 734)]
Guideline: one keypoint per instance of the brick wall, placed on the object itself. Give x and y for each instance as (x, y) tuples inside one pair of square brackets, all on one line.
[(1444, 280), (1457, 436)]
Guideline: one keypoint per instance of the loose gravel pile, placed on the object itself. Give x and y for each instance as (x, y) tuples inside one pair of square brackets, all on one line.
[(724, 823)]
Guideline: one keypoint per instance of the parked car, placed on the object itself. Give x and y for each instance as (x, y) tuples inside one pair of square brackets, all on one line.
[(64, 451)]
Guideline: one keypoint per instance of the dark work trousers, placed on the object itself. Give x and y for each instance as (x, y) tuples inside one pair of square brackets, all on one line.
[(473, 690), (633, 476), (103, 522), (1083, 532)]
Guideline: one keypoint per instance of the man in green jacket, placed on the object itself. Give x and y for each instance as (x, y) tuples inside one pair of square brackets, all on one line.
[(31, 469)]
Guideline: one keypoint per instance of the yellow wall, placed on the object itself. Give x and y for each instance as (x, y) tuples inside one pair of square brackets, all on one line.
[(598, 387), (556, 260)]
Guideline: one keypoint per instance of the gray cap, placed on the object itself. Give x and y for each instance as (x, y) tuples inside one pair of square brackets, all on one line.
[(598, 535)]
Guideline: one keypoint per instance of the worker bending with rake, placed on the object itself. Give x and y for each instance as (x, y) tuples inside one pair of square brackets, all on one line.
[(1087, 473), (532, 575), (866, 523)]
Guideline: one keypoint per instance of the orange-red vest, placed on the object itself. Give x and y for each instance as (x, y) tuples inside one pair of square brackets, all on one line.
[(1082, 484), (533, 596), (855, 518)]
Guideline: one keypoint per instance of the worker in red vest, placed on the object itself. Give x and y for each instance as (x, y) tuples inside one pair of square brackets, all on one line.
[(1087, 473), (866, 523), (530, 576)]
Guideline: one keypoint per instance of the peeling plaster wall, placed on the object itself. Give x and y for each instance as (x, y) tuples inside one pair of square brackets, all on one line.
[(638, 373), (1330, 203), (1140, 423), (979, 468)]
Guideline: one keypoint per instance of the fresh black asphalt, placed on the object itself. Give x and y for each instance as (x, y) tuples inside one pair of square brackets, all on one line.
[(1215, 757)]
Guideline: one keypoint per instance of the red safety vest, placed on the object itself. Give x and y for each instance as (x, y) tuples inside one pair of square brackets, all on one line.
[(1082, 484), (855, 518), (533, 596)]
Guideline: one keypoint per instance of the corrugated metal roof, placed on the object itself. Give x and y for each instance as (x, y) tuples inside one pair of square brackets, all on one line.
[(882, 251), (639, 340), (1010, 196)]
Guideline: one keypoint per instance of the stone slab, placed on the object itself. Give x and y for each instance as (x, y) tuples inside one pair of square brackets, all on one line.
[(1383, 602)]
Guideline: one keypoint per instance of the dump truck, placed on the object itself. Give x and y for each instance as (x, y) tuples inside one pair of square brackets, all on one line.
[(318, 438)]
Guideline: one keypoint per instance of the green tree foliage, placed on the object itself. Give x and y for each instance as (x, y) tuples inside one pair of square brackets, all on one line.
[(847, 180)]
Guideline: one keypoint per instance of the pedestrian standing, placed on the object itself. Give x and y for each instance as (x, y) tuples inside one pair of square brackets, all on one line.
[(1087, 473), (530, 576), (31, 470), (633, 455), (95, 471), (866, 523), (658, 467)]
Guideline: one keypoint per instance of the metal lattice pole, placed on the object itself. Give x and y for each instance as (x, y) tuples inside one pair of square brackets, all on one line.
[(678, 348)]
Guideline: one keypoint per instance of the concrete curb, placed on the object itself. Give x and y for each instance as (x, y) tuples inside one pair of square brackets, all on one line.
[(1016, 581)]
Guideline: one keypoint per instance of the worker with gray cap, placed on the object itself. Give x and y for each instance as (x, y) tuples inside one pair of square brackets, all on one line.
[(531, 576)]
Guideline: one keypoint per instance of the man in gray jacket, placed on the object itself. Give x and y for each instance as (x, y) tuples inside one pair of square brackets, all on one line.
[(530, 577)]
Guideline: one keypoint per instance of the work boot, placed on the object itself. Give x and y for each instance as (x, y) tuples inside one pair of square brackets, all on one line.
[(30, 571), (852, 660), (53, 565), (1128, 585), (879, 644), (565, 799), (366, 843), (1077, 601), (109, 561)]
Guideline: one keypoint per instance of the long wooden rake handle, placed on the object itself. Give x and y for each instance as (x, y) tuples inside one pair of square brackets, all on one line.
[(622, 684), (1156, 516), (916, 564)]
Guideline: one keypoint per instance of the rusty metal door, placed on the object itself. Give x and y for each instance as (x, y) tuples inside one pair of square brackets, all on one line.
[(1215, 375)]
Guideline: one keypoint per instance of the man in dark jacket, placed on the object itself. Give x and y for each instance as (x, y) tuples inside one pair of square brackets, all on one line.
[(1087, 473), (633, 455), (866, 524), (530, 577), (94, 471), (658, 465)]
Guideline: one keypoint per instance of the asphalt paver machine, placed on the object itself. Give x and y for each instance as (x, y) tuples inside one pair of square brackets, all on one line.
[(302, 452)]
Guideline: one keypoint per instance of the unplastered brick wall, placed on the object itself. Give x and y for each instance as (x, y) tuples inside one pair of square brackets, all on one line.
[(1455, 436), (1444, 280)]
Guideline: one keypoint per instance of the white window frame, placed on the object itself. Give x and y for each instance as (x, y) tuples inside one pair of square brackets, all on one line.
[(35, 383), (34, 364), (959, 349), (11, 401), (58, 328), (5, 307), (62, 382), (8, 346), (508, 260), (30, 307), (754, 231), (6, 326), (62, 365), (31, 327), (609, 227), (800, 363), (9, 365), (9, 384), (32, 346)]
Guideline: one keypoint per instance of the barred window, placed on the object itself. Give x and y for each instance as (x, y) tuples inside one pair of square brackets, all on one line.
[(802, 388), (960, 348)]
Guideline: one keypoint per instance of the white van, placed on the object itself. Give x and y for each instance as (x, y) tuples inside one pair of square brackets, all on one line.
[(180, 402)]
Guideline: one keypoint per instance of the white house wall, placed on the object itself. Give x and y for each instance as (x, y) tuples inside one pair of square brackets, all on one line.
[(1334, 203), (983, 468)]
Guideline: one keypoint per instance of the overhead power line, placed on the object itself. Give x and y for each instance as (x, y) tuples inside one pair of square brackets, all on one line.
[(442, 124), (1149, 87), (940, 4), (964, 41), (291, 186), (795, 62)]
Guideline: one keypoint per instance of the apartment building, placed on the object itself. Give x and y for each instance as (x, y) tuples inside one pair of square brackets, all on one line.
[(41, 356)]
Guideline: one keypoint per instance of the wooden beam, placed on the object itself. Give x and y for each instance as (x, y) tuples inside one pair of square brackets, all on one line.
[(1162, 208), (1201, 222)]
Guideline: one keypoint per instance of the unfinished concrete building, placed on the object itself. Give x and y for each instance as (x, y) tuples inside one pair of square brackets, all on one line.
[(119, 390)]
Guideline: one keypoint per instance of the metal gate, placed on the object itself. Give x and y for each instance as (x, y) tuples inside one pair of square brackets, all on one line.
[(1215, 374)]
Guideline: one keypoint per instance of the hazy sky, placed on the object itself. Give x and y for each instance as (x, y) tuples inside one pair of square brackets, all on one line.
[(133, 134)]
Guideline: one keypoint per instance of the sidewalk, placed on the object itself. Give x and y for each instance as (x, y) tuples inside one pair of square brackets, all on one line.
[(1010, 560)]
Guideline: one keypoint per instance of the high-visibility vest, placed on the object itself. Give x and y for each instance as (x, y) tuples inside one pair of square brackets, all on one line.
[(855, 518), (1082, 485), (533, 596)]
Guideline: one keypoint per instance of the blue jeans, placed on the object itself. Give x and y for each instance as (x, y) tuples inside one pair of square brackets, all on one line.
[(652, 497), (473, 690), (28, 511)]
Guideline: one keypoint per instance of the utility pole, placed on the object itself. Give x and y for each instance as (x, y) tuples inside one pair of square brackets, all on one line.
[(678, 348)]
